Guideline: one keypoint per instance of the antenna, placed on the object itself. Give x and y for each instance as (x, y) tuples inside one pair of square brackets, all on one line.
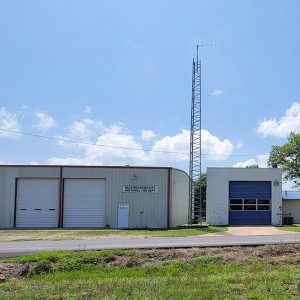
[(195, 193)]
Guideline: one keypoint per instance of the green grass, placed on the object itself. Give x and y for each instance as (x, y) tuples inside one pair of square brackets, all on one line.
[(60, 256), (87, 275), (65, 234), (293, 228)]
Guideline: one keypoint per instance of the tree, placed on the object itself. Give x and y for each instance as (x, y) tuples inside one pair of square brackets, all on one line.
[(254, 166), (287, 157), (203, 193)]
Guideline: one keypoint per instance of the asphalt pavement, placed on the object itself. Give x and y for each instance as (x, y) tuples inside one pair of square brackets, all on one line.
[(8, 249)]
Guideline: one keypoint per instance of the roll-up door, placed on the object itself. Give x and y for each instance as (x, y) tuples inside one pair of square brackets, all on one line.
[(37, 203), (84, 203), (250, 203)]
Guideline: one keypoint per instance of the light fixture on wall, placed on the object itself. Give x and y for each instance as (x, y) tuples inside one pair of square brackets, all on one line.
[(134, 177), (276, 182)]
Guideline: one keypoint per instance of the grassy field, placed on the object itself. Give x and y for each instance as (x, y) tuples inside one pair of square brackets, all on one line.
[(270, 272), (66, 234), (293, 228)]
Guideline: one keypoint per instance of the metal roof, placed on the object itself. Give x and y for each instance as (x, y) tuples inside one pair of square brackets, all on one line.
[(291, 195)]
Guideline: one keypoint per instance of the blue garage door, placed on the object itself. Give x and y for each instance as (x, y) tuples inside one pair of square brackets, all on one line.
[(250, 203)]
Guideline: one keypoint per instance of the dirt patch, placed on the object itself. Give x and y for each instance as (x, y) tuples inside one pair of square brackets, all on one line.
[(17, 271), (230, 254), (15, 237), (280, 253)]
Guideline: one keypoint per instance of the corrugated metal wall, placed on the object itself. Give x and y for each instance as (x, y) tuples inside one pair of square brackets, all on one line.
[(8, 177), (146, 209), (180, 198), (7, 196)]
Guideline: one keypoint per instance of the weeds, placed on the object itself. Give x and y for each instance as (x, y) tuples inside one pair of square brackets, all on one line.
[(42, 267), (263, 273)]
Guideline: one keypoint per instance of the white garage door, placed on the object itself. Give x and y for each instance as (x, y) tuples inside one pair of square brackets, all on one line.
[(37, 203), (84, 203)]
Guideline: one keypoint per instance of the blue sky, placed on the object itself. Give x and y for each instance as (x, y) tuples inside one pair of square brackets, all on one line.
[(119, 73)]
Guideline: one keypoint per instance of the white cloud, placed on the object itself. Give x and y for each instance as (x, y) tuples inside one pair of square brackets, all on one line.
[(43, 121), (116, 135), (176, 143), (180, 142), (217, 148), (68, 161), (147, 135), (9, 163), (87, 109), (8, 121), (282, 127), (84, 131), (120, 137), (217, 93), (261, 160), (244, 164)]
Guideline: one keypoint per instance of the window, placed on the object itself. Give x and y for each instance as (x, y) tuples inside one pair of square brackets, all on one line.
[(263, 207), (249, 207), (236, 207), (250, 204), (236, 201), (250, 201), (263, 201), (236, 204)]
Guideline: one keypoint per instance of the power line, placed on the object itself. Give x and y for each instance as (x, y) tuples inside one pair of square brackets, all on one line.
[(89, 143), (116, 147)]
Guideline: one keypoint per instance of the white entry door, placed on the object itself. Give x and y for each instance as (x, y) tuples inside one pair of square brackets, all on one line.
[(123, 215)]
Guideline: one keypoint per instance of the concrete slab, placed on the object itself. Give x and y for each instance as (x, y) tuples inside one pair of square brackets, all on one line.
[(254, 230)]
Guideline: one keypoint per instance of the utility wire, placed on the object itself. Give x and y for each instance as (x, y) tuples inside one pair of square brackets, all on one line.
[(115, 147), (88, 143)]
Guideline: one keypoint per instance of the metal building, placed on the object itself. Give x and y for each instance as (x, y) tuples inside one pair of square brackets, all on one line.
[(244, 196), (291, 205), (92, 196)]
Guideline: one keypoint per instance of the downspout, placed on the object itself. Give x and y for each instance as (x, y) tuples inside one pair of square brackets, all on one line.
[(169, 198), (60, 198)]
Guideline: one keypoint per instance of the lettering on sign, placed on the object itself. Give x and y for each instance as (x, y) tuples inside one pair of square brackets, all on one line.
[(140, 189)]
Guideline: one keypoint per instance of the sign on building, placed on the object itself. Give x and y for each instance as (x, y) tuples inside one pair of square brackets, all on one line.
[(140, 189)]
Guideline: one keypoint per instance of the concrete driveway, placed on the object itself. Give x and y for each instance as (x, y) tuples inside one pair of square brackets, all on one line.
[(254, 230)]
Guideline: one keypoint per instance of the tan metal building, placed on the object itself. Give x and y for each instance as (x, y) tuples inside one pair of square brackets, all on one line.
[(92, 197)]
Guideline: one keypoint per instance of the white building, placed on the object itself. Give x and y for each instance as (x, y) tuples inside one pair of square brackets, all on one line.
[(291, 205), (92, 196), (250, 196)]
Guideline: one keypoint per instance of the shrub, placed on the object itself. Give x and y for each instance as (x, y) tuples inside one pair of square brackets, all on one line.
[(42, 267), (69, 264)]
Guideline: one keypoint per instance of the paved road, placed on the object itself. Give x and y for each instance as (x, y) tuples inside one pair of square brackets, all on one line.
[(17, 248)]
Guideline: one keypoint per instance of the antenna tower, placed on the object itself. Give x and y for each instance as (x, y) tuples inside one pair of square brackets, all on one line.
[(195, 205), (195, 193)]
